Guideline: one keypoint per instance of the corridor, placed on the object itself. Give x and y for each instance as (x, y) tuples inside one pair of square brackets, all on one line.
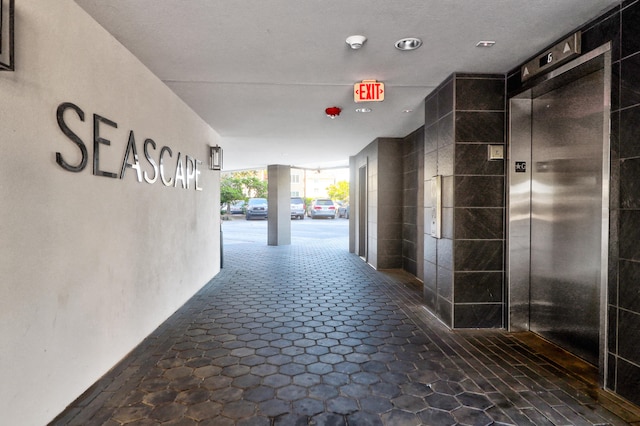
[(308, 334)]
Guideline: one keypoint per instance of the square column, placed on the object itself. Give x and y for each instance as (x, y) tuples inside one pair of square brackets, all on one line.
[(279, 198)]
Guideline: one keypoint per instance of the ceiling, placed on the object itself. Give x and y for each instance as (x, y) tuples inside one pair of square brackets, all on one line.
[(262, 72)]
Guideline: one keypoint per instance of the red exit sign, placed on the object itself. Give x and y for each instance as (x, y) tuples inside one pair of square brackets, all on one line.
[(368, 91)]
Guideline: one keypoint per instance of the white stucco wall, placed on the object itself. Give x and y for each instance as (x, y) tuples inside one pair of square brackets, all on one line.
[(89, 265)]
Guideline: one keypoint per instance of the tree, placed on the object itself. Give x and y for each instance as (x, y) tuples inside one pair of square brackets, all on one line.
[(239, 186), (230, 190), (339, 191)]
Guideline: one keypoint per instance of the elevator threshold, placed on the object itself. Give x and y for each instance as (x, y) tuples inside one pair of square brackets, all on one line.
[(582, 371)]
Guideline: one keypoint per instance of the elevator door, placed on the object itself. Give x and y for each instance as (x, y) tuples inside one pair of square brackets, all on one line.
[(566, 215)]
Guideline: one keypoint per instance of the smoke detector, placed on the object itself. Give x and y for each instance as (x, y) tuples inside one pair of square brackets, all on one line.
[(356, 41)]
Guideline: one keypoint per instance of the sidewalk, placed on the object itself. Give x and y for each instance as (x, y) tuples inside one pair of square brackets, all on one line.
[(308, 334)]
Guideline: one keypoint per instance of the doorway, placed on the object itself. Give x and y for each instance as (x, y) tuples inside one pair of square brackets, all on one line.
[(558, 206)]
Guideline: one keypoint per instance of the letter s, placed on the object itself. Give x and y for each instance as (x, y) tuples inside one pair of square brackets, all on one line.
[(74, 138)]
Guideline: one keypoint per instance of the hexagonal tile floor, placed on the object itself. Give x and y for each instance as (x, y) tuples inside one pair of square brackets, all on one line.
[(310, 335)]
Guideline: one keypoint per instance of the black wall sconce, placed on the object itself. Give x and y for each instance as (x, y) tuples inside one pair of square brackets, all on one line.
[(7, 12), (215, 158)]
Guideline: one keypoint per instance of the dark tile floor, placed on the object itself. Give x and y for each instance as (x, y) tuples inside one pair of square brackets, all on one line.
[(308, 334)]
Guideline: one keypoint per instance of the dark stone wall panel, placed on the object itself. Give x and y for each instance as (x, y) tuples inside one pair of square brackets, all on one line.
[(444, 309), (630, 285), (478, 255), (472, 159), (630, 183), (445, 131), (478, 316), (479, 126), (479, 191), (630, 132), (478, 287), (445, 283), (630, 25), (445, 98), (479, 223), (630, 234), (431, 110), (606, 28), (628, 381), (629, 335), (479, 94), (612, 335), (629, 89)]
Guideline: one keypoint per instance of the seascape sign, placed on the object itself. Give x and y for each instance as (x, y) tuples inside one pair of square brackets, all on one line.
[(184, 170)]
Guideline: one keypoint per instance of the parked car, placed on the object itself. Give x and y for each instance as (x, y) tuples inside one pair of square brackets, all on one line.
[(297, 208), (256, 208), (322, 207), (343, 210), (237, 207)]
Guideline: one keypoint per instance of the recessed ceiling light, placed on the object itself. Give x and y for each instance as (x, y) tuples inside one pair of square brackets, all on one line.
[(364, 110), (485, 43), (409, 43), (407, 111)]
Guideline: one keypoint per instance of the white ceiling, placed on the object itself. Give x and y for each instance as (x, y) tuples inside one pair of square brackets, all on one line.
[(262, 72)]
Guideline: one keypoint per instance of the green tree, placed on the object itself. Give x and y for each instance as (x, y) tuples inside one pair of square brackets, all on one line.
[(339, 191), (239, 186), (230, 190)]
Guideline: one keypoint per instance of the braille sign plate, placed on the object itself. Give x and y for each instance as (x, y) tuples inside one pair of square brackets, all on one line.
[(521, 166), (561, 52), (368, 91)]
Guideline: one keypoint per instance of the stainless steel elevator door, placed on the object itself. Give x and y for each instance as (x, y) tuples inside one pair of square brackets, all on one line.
[(566, 215)]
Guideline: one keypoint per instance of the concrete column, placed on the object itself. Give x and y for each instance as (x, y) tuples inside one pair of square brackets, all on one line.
[(279, 186)]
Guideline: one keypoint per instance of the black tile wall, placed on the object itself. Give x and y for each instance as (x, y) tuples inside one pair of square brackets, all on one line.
[(479, 94), (629, 290), (628, 380), (480, 126), (413, 150), (469, 266), (478, 315), (629, 333), (478, 255), (471, 158), (479, 191), (629, 70), (629, 136), (478, 287), (630, 25), (621, 27), (439, 160), (485, 224)]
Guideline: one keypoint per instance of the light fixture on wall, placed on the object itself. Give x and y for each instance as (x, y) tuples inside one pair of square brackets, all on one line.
[(7, 12), (215, 157)]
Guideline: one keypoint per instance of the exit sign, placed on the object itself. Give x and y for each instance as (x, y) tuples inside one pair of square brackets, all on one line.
[(368, 91)]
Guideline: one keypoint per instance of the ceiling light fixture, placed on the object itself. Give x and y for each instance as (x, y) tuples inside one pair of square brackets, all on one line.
[(407, 111), (356, 41), (409, 43), (363, 110), (485, 43)]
